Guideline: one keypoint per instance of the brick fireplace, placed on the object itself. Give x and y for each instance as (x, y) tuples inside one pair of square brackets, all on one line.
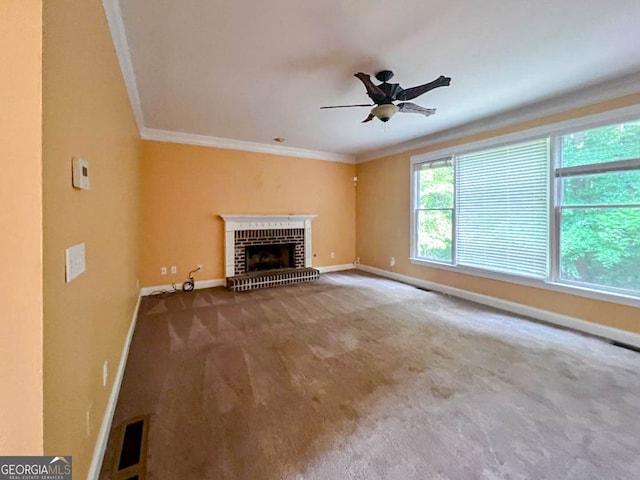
[(257, 239), (244, 239)]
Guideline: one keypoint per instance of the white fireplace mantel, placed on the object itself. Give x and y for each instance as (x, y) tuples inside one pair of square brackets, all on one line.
[(263, 222), (233, 223)]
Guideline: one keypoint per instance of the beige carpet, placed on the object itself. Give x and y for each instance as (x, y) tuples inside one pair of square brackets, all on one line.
[(359, 377)]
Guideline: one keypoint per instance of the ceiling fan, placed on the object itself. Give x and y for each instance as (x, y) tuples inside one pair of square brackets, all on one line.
[(385, 94)]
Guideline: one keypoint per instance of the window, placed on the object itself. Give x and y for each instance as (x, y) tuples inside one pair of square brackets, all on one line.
[(487, 211), (503, 209), (598, 184), (434, 212)]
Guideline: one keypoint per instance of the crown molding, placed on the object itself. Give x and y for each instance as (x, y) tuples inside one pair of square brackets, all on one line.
[(121, 44), (217, 142), (113, 13), (591, 95), (586, 122)]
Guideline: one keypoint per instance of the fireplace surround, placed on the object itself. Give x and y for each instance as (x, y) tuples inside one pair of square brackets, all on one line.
[(261, 238), (267, 239)]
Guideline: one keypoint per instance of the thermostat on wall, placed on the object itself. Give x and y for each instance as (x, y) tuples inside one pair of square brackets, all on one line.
[(81, 173)]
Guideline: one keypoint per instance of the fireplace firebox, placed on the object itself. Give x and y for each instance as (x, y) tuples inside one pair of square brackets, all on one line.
[(269, 257)]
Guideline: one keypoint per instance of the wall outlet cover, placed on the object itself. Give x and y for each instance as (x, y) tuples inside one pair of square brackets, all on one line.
[(105, 373), (89, 419), (75, 261)]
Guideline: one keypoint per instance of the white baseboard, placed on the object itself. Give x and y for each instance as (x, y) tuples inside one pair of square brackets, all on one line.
[(566, 321), (105, 428), (336, 268), (217, 282)]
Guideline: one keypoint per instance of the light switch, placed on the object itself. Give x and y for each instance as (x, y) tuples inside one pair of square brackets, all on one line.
[(75, 261)]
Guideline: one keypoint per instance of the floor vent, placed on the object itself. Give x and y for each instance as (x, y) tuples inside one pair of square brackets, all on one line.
[(627, 346), (271, 278), (132, 460)]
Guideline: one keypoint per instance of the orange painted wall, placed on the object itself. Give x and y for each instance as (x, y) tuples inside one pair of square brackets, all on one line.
[(185, 188), (87, 114), (20, 228), (383, 231)]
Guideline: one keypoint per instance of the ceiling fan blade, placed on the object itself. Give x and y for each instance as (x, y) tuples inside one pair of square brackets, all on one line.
[(374, 91), (408, 107), (411, 93), (347, 106)]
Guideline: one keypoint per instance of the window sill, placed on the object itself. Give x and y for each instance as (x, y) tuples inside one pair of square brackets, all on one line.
[(535, 283)]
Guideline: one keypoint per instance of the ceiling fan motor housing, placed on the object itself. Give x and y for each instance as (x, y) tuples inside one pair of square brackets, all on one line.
[(384, 75)]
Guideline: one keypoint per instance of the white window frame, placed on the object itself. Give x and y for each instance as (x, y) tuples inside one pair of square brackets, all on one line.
[(560, 172), (416, 208), (554, 132)]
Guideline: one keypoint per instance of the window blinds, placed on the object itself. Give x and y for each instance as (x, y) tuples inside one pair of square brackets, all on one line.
[(502, 209)]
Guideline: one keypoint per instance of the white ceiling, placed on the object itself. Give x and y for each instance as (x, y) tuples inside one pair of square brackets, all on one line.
[(249, 71)]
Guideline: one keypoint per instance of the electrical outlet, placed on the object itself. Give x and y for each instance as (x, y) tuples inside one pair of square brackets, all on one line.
[(75, 261), (392, 262), (137, 283), (174, 270), (333, 255), (200, 266), (89, 419), (105, 372), (163, 270)]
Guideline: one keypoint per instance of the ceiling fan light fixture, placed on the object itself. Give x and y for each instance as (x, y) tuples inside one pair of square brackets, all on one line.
[(384, 112)]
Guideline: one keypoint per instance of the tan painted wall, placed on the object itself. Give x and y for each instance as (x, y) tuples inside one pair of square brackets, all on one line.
[(185, 188), (20, 228), (383, 218), (86, 113)]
